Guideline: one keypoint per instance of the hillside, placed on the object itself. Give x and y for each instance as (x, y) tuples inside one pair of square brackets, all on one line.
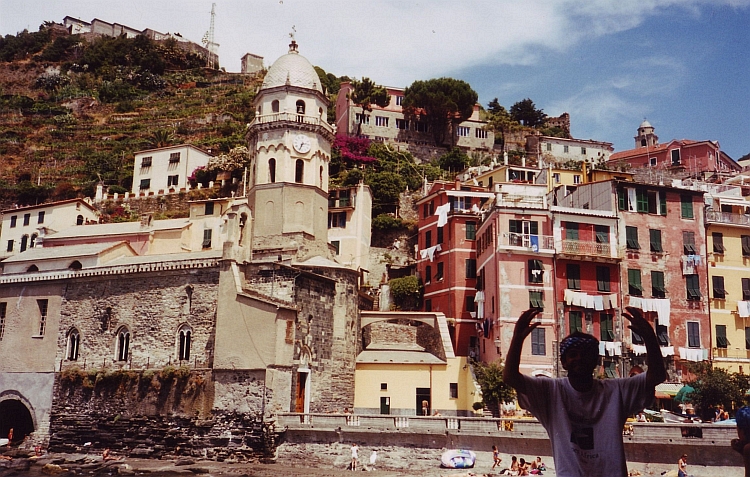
[(65, 125)]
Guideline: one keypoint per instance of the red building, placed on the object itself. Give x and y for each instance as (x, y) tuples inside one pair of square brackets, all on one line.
[(692, 157), (448, 220)]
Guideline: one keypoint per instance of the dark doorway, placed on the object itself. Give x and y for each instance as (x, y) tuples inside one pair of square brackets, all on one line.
[(299, 401), (385, 405), (423, 401), (14, 414)]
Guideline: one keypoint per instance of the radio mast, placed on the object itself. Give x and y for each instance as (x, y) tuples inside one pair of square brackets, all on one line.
[(208, 41)]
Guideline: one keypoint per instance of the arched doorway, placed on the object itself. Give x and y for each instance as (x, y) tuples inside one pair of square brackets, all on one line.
[(14, 414)]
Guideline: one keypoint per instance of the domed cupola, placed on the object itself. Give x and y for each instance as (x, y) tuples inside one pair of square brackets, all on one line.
[(646, 136), (292, 69)]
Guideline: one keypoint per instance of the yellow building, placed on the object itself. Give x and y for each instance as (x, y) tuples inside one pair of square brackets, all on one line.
[(728, 254), (410, 369)]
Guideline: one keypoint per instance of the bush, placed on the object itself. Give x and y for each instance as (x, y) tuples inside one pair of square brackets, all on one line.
[(385, 222), (406, 292)]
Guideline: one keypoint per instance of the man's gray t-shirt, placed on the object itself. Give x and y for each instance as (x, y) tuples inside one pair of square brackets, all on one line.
[(586, 428)]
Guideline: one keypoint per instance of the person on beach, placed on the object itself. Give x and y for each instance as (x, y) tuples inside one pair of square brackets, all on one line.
[(583, 416), (513, 469), (373, 458), (355, 455), (495, 457), (682, 466), (742, 443)]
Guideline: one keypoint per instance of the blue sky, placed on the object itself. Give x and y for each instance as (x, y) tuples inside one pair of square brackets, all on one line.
[(681, 64)]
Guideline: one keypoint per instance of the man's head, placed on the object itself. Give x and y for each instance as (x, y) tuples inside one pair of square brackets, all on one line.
[(579, 353), (743, 422)]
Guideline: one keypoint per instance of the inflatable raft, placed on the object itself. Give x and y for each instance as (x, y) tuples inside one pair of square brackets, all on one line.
[(458, 459)]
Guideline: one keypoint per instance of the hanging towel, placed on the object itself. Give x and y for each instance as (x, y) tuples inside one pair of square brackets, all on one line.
[(602, 348), (613, 300), (442, 213), (683, 353), (743, 308), (534, 243), (579, 299), (667, 351), (662, 308), (599, 303), (590, 302), (635, 302), (639, 350), (568, 296)]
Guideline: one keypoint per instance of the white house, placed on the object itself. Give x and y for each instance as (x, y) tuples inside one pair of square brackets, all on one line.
[(24, 227), (166, 169), (349, 222)]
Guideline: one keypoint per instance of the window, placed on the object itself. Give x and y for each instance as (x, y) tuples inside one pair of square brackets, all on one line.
[(454, 390), (462, 131), (209, 208), (420, 126), (337, 246), (655, 239), (717, 283), (440, 235), (471, 230), (575, 319), (602, 233), (384, 386), (536, 271), (381, 121), (745, 245), (549, 146), (43, 306), (675, 157), (337, 220), (746, 288), (299, 171), (606, 327), (10, 246), (428, 305), (571, 230), (469, 304), (565, 149), (657, 284), (74, 341), (718, 240), (688, 243), (24, 242), (662, 335), (206, 238), (402, 123), (538, 342), (79, 220), (123, 344), (272, 170), (362, 118), (40, 217), (652, 162), (300, 107), (471, 268), (480, 133), (26, 219), (3, 309), (428, 239), (428, 274), (686, 206), (145, 184), (573, 273), (602, 279), (275, 106), (439, 274), (583, 151), (13, 220), (721, 336), (174, 158), (536, 299), (184, 336), (641, 200), (577, 180), (32, 242), (556, 177), (634, 282), (173, 180), (146, 161), (694, 335), (693, 287), (662, 203), (747, 338)]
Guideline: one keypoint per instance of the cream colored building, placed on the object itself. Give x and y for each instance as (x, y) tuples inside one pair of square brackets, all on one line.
[(549, 151), (25, 227), (350, 224), (166, 169)]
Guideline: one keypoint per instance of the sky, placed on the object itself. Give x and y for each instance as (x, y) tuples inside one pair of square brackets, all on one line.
[(684, 65)]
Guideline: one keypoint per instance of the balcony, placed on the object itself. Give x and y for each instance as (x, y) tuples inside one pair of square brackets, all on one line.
[(581, 248), (291, 117), (526, 242), (717, 217)]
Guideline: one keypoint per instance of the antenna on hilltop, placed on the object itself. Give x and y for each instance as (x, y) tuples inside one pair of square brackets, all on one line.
[(208, 41)]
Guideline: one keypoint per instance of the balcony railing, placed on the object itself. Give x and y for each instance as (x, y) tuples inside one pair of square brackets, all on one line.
[(716, 216), (579, 247), (527, 241), (291, 117)]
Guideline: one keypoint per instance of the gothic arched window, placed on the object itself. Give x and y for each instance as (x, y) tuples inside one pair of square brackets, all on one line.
[(79, 220), (74, 341), (275, 106), (184, 336), (123, 344), (272, 170), (299, 171)]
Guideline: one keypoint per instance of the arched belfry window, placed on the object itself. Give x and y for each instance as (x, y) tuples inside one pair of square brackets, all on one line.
[(300, 107), (275, 106), (272, 170), (123, 344), (74, 341), (299, 171), (184, 338)]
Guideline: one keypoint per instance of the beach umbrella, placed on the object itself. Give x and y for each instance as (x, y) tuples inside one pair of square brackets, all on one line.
[(683, 395)]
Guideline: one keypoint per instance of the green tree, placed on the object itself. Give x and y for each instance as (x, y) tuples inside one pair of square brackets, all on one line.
[(454, 160), (161, 138), (406, 292), (714, 386), (526, 113), (494, 390), (386, 187), (364, 94), (499, 120), (443, 102)]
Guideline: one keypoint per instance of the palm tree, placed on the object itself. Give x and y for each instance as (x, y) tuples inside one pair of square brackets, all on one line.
[(161, 138)]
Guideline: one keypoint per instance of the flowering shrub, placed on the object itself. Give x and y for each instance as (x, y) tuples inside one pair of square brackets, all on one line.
[(353, 148), (236, 159)]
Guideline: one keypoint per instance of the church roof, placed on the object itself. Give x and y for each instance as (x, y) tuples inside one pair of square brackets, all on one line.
[(645, 124), (292, 69)]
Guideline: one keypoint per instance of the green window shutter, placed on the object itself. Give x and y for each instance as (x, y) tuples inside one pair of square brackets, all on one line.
[(746, 245), (634, 282), (657, 284), (534, 228), (575, 321), (207, 238), (471, 230), (621, 199), (717, 283), (686, 204), (573, 273), (631, 237), (536, 299), (641, 200), (655, 238), (514, 226), (606, 327), (602, 233), (721, 336), (663, 203), (538, 342), (694, 336), (693, 287), (571, 230), (602, 279), (471, 268)]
